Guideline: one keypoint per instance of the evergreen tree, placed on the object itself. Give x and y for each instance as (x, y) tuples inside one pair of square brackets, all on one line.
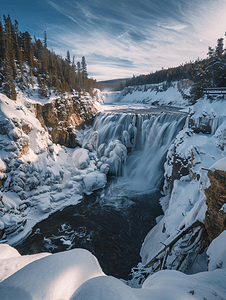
[(68, 58), (10, 43), (84, 70), (2, 45), (22, 59), (79, 73), (211, 52), (8, 81), (45, 39), (220, 47)]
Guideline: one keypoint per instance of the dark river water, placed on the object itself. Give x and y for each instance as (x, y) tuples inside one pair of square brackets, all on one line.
[(109, 224)]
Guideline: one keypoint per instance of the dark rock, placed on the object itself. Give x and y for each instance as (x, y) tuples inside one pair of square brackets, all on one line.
[(215, 219)]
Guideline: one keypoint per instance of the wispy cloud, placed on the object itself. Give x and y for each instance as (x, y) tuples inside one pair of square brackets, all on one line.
[(128, 37)]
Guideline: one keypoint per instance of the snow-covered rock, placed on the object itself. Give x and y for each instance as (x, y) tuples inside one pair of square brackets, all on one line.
[(217, 253), (94, 181), (52, 277), (76, 275), (81, 158)]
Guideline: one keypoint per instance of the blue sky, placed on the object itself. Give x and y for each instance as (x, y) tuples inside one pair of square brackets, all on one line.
[(120, 38)]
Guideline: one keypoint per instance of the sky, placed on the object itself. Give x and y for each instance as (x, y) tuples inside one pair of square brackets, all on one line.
[(122, 38)]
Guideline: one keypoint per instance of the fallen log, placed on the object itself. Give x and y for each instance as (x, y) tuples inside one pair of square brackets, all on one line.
[(173, 242)]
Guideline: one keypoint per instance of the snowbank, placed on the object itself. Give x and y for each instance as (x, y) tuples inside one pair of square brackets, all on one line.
[(76, 275), (11, 261), (52, 277), (217, 253)]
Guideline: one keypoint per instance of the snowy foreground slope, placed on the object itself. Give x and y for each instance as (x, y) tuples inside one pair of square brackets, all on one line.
[(41, 177), (76, 274)]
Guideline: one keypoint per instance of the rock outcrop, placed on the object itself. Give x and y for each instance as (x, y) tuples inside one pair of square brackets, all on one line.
[(62, 116), (215, 220)]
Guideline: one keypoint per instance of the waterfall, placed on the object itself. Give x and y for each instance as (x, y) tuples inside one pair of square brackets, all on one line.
[(144, 168), (146, 139)]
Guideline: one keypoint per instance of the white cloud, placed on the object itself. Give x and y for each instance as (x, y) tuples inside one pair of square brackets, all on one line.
[(165, 34)]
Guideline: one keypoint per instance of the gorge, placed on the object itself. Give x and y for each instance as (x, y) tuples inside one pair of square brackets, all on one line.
[(104, 195)]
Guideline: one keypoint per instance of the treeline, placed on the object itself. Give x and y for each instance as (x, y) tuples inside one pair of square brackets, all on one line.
[(185, 71), (205, 73), (210, 72), (112, 85), (24, 60)]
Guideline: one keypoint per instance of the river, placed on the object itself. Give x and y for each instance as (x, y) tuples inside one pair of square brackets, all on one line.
[(113, 222)]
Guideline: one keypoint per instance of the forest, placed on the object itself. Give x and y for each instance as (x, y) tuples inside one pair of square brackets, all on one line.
[(205, 73), (25, 61)]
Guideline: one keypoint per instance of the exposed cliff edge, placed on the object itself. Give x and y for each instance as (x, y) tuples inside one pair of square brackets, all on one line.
[(63, 116), (215, 219)]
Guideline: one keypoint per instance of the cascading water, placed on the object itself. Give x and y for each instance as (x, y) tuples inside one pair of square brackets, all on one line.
[(147, 139), (113, 222)]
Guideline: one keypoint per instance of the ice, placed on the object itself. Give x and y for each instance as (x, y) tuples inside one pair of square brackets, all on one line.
[(81, 158), (94, 181), (104, 168), (49, 177)]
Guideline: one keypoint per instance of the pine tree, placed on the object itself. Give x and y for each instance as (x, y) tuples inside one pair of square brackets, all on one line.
[(8, 81), (211, 52), (2, 45), (45, 39), (10, 43), (220, 47), (84, 70), (79, 73), (68, 58), (28, 48), (19, 54)]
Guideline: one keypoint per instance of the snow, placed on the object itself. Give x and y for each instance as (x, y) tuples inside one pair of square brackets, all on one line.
[(205, 107), (81, 158), (170, 284), (76, 275), (51, 277), (40, 177), (219, 165), (152, 94), (8, 252), (94, 181), (217, 253), (11, 261), (48, 177)]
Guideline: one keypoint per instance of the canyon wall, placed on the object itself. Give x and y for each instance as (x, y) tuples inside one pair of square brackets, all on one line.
[(63, 116), (215, 219)]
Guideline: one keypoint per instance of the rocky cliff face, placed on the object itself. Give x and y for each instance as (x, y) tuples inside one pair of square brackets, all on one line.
[(182, 161), (215, 220), (63, 116)]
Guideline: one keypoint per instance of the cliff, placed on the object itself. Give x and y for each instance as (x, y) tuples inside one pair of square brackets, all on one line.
[(215, 218), (63, 116)]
